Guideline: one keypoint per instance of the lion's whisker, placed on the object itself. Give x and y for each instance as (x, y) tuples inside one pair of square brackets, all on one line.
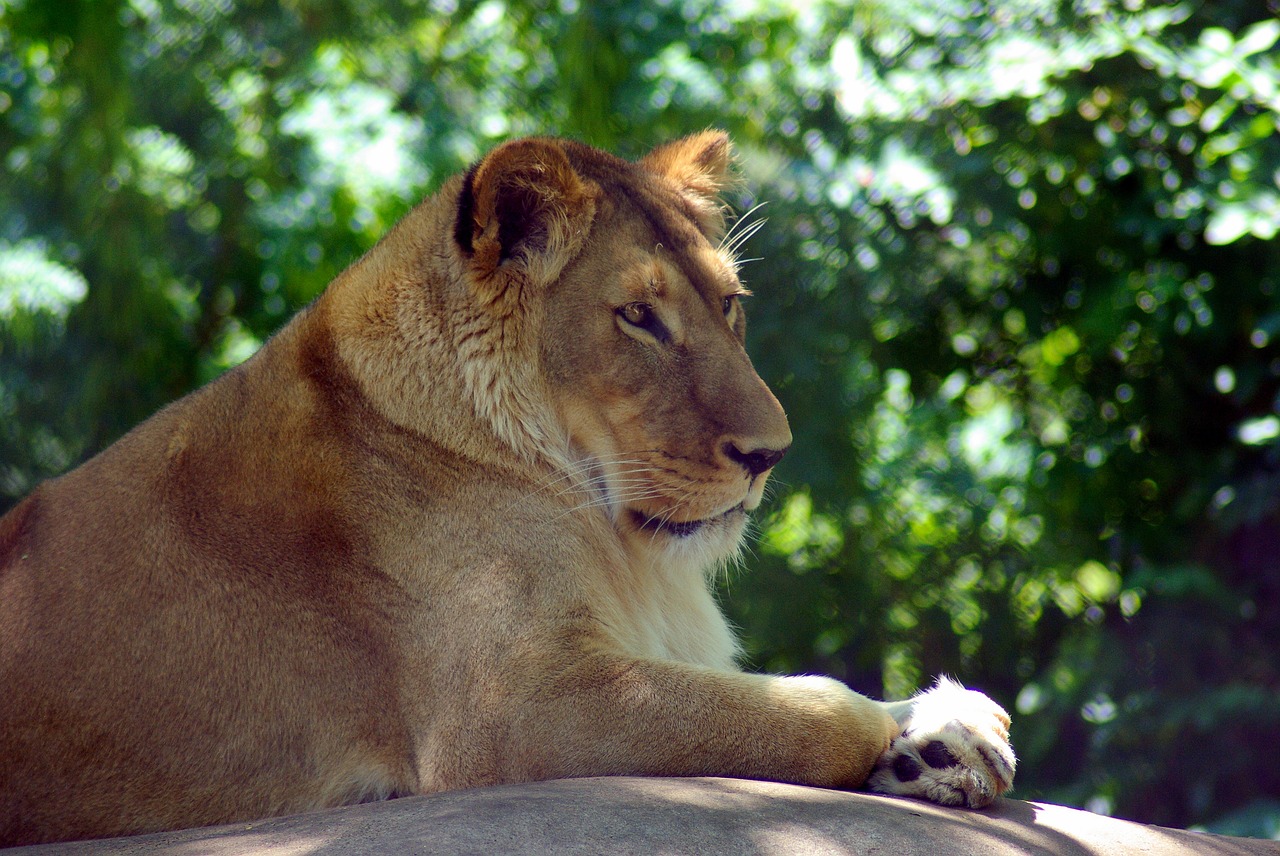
[(741, 222)]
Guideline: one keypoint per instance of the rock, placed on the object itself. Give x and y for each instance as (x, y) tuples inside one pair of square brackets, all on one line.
[(726, 817)]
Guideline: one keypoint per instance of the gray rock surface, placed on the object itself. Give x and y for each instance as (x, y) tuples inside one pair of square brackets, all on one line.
[(725, 817)]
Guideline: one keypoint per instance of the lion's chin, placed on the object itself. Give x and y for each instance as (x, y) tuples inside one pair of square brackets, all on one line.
[(684, 528)]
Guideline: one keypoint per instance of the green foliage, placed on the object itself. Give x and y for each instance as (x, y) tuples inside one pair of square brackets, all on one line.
[(1018, 293)]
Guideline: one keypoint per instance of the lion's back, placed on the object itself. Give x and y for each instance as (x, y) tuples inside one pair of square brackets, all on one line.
[(171, 595)]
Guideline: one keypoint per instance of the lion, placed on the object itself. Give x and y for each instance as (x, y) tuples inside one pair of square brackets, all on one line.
[(456, 524)]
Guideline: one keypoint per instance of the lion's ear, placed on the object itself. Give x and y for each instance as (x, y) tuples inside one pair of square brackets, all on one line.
[(700, 165), (523, 204)]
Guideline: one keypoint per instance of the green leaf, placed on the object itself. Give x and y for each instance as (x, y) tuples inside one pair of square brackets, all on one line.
[(1227, 224)]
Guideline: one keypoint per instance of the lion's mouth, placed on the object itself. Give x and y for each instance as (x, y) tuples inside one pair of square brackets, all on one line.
[(680, 528)]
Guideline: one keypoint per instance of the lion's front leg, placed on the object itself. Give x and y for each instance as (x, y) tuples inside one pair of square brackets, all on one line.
[(954, 748), (614, 715)]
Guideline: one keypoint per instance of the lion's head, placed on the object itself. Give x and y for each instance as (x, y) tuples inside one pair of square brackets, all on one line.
[(613, 284)]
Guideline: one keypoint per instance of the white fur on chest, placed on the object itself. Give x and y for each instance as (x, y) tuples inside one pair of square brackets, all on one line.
[(674, 614)]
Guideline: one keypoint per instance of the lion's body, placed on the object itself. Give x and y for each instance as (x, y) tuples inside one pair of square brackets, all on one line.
[(454, 525)]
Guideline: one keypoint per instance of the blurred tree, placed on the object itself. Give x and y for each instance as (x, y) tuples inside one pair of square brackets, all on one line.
[(1017, 292)]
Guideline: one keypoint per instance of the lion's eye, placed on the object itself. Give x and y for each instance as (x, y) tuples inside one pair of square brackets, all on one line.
[(642, 316), (728, 303), (637, 314)]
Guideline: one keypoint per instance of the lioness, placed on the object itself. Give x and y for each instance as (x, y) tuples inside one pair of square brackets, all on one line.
[(455, 524)]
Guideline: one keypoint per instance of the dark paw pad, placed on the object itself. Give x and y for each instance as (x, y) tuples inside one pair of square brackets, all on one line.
[(906, 768), (937, 755)]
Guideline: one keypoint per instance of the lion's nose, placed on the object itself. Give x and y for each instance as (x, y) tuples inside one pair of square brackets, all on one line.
[(756, 461)]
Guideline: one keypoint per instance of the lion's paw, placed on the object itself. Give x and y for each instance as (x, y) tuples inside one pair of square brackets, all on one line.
[(954, 749)]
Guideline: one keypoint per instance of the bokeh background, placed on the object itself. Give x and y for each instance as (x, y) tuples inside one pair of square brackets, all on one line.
[(1017, 290)]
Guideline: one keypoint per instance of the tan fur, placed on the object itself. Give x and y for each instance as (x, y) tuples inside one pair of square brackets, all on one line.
[(412, 544)]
